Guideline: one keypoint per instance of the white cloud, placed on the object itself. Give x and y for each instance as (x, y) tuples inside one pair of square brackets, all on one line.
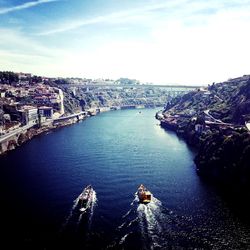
[(175, 53), (183, 46), (115, 17), (150, 14), (211, 52), (24, 6)]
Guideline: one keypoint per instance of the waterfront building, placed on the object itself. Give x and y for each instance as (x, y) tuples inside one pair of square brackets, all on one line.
[(29, 114), (45, 111)]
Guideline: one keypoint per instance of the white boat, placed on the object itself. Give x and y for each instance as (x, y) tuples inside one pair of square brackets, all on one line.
[(85, 198)]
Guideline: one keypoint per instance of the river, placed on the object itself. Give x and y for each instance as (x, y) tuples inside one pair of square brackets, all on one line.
[(114, 152)]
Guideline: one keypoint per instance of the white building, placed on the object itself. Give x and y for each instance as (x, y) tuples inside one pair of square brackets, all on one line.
[(2, 93), (29, 115), (1, 129)]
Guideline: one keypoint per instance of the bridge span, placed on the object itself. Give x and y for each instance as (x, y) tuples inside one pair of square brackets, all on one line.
[(136, 86), (168, 90)]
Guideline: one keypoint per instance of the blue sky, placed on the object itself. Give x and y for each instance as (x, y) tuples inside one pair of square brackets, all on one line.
[(178, 41)]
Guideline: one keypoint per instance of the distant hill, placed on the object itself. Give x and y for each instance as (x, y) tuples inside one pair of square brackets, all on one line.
[(228, 101), (127, 81), (82, 97)]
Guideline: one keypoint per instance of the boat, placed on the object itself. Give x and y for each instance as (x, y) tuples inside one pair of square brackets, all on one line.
[(85, 198), (144, 195)]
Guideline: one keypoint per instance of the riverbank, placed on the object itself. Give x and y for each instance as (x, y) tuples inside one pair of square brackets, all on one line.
[(21, 137), (213, 120), (222, 160)]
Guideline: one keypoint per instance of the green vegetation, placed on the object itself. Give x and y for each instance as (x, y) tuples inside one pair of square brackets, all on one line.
[(11, 78), (8, 77), (225, 159)]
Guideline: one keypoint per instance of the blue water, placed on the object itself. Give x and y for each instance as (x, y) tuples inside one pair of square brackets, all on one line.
[(115, 152)]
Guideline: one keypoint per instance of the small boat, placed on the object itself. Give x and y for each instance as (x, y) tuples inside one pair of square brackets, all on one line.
[(144, 195), (85, 198)]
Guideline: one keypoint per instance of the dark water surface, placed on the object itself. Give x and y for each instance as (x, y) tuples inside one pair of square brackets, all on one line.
[(115, 152)]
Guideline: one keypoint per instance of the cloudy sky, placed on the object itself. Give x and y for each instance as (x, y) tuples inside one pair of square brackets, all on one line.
[(164, 42)]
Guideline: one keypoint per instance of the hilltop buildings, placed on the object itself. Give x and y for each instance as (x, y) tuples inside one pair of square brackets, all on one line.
[(29, 104)]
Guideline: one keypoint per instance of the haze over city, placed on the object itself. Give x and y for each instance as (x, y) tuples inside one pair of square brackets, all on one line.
[(163, 42)]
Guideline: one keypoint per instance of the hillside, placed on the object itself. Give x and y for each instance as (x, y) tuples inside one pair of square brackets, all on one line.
[(110, 96), (228, 101), (213, 120), (78, 95)]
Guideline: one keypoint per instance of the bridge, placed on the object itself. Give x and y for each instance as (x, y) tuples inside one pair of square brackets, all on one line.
[(175, 86), (179, 88), (15, 132), (170, 90), (11, 139)]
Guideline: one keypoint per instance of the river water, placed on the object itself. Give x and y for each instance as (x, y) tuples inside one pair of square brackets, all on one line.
[(115, 152)]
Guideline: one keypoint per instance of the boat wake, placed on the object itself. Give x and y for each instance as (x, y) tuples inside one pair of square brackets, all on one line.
[(142, 226), (153, 226), (79, 221), (90, 210)]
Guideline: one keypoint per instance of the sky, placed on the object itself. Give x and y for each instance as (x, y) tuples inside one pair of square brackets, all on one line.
[(161, 42)]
